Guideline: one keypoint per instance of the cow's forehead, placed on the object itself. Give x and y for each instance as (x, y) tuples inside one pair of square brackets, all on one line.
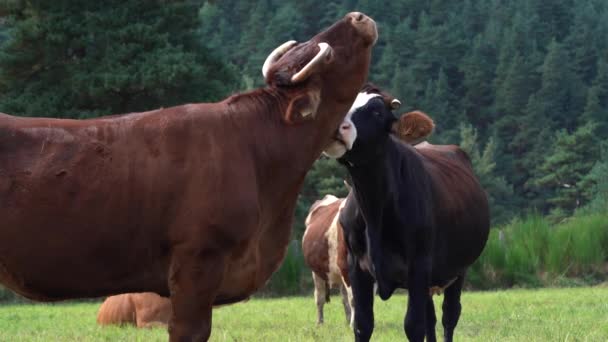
[(362, 99)]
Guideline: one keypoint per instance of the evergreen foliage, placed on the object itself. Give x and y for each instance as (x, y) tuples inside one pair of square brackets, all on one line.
[(569, 161), (69, 58), (530, 77)]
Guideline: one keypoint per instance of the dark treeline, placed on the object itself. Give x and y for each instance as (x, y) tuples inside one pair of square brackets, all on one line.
[(522, 85)]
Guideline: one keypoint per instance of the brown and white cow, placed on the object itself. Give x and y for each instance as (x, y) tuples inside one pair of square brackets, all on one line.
[(323, 243), (144, 310), (195, 202), (325, 253)]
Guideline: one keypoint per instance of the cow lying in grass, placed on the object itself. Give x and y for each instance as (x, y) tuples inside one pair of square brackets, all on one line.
[(144, 310), (323, 241), (416, 218)]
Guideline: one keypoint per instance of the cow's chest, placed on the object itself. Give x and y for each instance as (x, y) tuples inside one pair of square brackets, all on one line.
[(389, 263), (251, 263), (393, 262)]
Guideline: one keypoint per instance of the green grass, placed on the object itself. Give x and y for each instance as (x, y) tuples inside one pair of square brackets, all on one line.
[(570, 314)]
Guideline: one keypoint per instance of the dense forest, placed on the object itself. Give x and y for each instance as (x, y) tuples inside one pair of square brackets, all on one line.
[(522, 85)]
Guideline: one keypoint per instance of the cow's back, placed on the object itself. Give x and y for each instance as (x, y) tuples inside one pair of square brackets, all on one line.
[(117, 310), (86, 204), (144, 309)]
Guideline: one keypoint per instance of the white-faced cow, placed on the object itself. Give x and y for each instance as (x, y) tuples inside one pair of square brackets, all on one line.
[(323, 243), (416, 218), (195, 202)]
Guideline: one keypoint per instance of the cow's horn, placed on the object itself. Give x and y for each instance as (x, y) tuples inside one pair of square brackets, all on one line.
[(324, 52), (395, 104), (275, 55)]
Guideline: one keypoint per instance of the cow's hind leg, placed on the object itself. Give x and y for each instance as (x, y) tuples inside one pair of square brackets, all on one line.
[(431, 320), (194, 279), (346, 301), (451, 308), (321, 293)]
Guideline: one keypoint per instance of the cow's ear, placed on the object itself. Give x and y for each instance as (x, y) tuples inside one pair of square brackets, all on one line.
[(413, 127), (303, 107)]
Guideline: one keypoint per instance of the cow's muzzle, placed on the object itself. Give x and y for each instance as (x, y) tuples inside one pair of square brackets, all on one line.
[(365, 25)]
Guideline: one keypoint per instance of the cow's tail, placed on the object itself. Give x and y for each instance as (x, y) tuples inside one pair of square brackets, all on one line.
[(117, 310), (327, 292)]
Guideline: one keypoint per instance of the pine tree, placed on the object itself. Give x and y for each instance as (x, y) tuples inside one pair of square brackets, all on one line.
[(382, 73), (403, 87), (250, 54), (401, 39), (596, 108), (484, 163), (478, 69), (67, 58), (571, 159), (555, 18), (583, 42), (561, 95), (436, 102), (595, 183)]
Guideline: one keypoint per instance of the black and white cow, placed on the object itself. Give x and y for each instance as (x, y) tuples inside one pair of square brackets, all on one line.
[(417, 218)]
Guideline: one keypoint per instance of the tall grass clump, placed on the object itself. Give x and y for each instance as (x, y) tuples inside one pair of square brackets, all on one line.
[(527, 241), (485, 272), (579, 247), (535, 252)]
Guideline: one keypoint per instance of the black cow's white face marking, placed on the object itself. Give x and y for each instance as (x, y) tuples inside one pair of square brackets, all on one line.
[(370, 121), (347, 132)]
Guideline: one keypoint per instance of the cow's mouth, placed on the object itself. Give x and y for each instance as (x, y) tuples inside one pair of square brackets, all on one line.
[(338, 139), (337, 147)]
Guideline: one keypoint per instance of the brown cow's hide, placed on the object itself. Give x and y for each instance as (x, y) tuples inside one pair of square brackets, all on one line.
[(143, 310), (194, 201)]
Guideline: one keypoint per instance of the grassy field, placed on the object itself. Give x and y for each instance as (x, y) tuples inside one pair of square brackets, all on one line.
[(577, 314)]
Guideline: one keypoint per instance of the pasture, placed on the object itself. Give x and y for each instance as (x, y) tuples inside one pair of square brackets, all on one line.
[(569, 314)]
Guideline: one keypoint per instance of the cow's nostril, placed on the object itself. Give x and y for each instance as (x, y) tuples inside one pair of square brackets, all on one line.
[(356, 16), (345, 127)]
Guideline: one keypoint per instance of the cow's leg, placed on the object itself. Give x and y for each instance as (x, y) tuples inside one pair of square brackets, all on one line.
[(346, 301), (320, 295), (451, 308), (431, 320), (418, 288), (194, 279), (362, 285), (351, 301)]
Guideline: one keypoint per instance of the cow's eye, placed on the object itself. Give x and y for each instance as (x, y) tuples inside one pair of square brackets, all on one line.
[(376, 113)]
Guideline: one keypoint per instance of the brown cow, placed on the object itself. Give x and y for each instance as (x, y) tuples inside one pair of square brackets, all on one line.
[(323, 243), (195, 202), (144, 310)]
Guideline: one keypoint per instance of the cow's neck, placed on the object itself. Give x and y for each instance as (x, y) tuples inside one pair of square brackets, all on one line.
[(370, 183), (282, 154), (371, 186)]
